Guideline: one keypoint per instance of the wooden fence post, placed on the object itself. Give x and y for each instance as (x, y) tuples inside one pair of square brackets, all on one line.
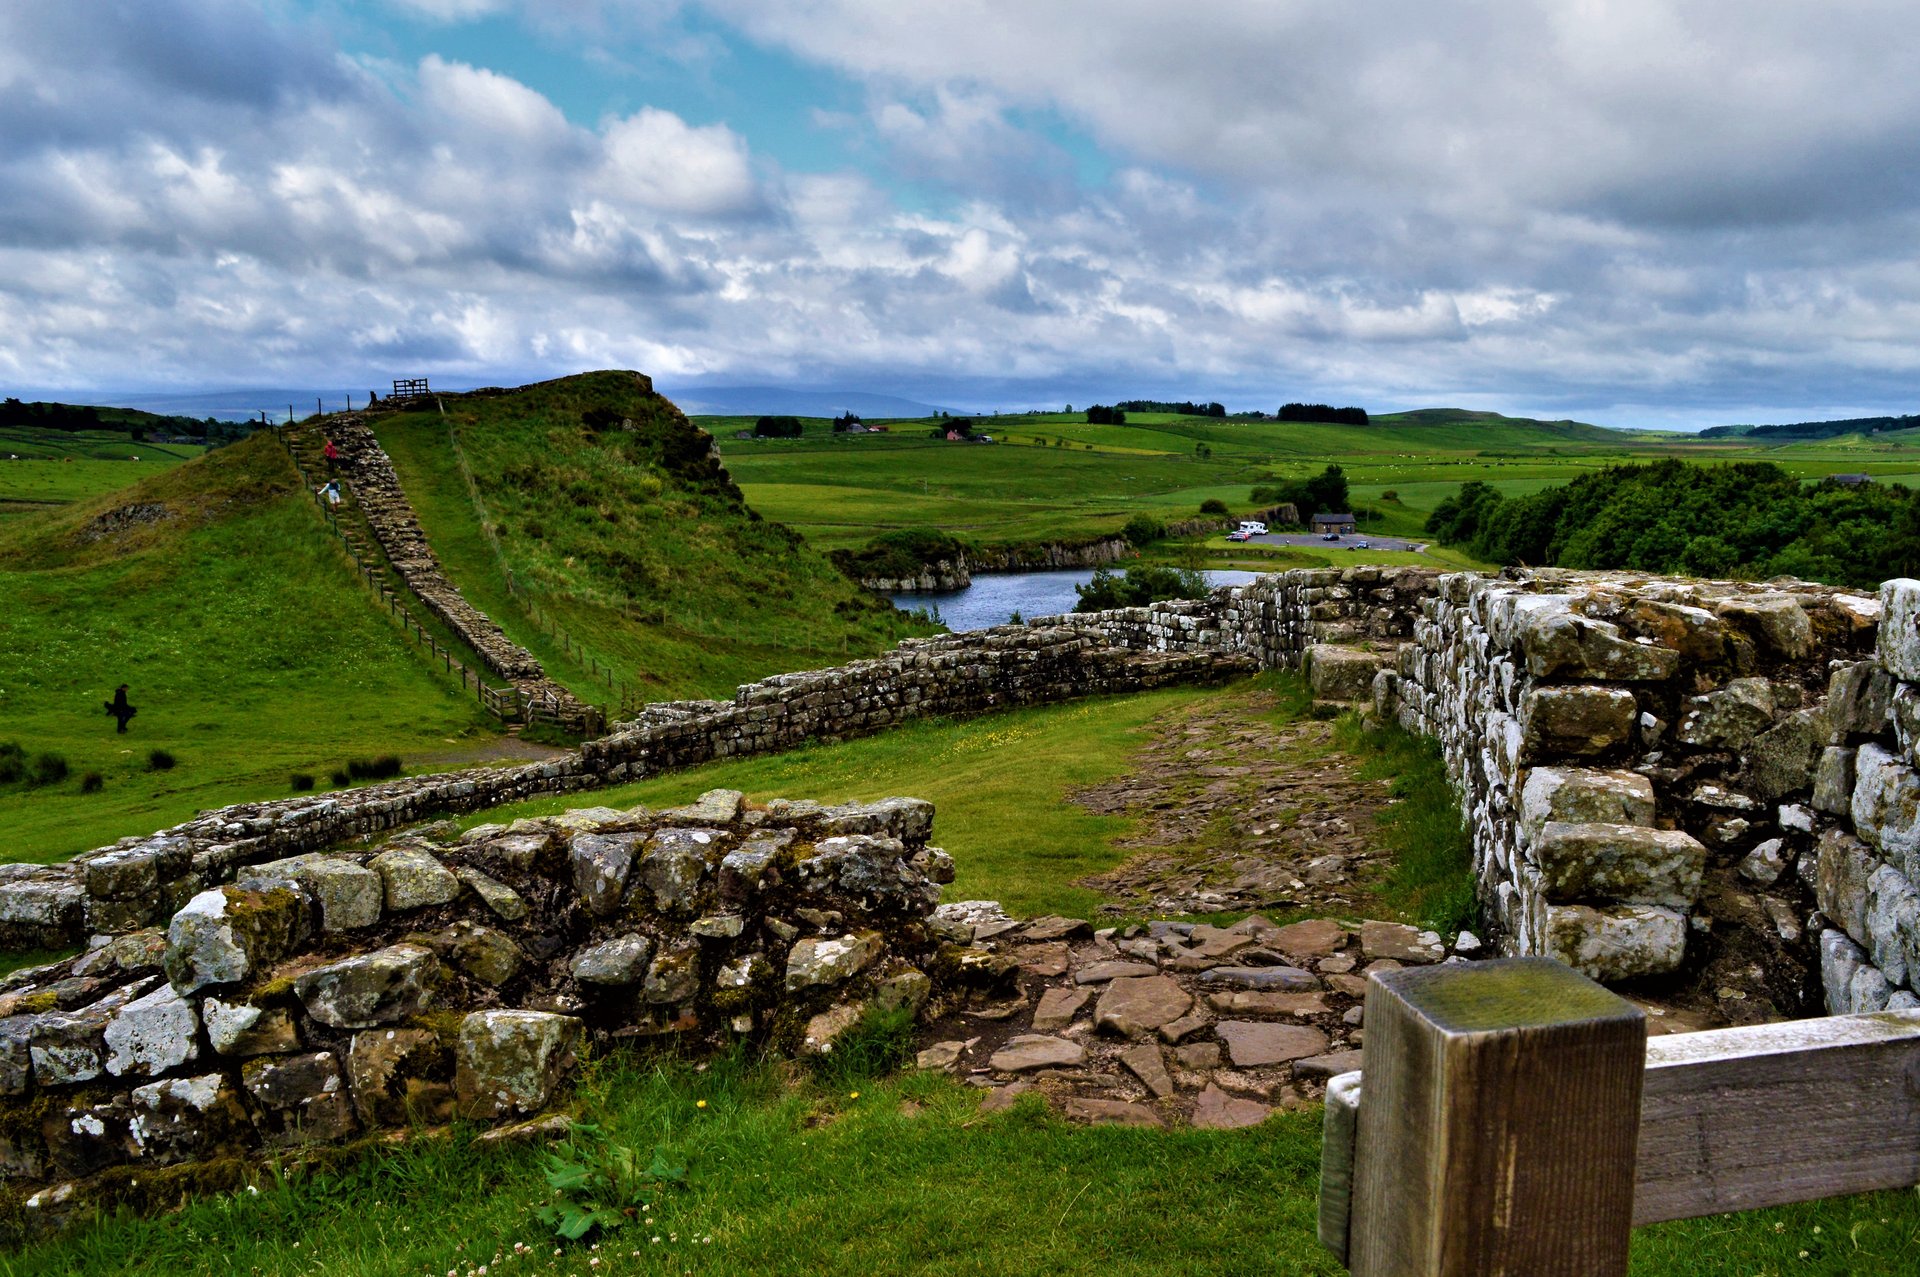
[(1498, 1125)]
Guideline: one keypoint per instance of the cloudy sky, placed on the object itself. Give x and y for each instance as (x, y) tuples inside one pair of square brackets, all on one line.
[(1661, 212)]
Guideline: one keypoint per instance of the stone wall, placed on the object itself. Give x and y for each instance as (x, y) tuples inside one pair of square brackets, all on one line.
[(139, 881), (1643, 763), (320, 998)]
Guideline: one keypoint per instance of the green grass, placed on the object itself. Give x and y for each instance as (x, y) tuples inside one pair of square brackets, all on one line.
[(902, 1175), (627, 539), (1431, 881), (997, 784), (841, 491), (56, 466), (251, 651)]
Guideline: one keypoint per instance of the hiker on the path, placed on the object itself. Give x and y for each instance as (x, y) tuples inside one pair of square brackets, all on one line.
[(332, 455), (119, 709), (331, 491)]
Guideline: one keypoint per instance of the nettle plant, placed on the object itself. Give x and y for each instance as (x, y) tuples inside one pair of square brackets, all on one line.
[(599, 1185)]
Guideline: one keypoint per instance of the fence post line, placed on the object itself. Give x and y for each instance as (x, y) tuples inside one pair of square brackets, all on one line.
[(1498, 1125)]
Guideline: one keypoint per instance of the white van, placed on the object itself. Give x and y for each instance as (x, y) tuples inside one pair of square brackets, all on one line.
[(1253, 527)]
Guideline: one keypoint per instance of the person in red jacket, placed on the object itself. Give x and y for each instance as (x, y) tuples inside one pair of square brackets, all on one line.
[(332, 455)]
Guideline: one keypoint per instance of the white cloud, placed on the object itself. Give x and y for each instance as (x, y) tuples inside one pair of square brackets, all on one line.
[(657, 160)]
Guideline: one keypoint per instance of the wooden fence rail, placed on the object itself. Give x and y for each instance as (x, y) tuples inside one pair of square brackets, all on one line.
[(1514, 1118), (504, 705)]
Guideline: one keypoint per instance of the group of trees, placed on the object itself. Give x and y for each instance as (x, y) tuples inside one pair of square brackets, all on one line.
[(1322, 412), (1101, 415), (1186, 407), (1323, 493), (1815, 429), (845, 422), (71, 418), (962, 426), (777, 428), (1143, 583), (1751, 519)]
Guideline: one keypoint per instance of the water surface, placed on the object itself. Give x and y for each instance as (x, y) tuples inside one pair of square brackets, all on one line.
[(992, 600)]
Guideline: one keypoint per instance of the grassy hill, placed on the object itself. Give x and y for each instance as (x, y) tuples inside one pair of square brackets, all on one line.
[(214, 590), (590, 504), (41, 467)]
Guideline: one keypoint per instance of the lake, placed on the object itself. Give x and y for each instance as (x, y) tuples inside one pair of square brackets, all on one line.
[(992, 600)]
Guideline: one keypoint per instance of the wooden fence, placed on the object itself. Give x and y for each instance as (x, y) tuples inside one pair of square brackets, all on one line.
[(504, 704), (1514, 1117)]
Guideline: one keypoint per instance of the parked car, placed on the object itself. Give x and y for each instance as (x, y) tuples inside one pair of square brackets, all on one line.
[(1331, 536), (1241, 535), (1363, 545)]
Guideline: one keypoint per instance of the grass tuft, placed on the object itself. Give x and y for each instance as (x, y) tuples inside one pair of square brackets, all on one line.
[(1431, 880)]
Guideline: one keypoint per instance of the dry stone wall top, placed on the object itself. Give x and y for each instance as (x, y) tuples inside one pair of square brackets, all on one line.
[(260, 1014)]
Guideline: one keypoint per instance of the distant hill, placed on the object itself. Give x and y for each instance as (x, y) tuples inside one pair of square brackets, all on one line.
[(1799, 430), (752, 401), (1468, 417)]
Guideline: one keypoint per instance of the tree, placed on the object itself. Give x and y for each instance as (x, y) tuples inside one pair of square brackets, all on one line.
[(777, 428), (1102, 415)]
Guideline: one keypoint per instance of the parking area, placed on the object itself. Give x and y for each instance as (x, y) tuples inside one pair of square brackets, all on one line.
[(1350, 540)]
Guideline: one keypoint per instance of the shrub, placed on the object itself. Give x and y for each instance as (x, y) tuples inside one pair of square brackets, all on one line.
[(92, 783), (777, 428), (385, 767), (1143, 529), (13, 763), (300, 782), (160, 760), (1213, 505), (49, 769), (341, 778), (1143, 583)]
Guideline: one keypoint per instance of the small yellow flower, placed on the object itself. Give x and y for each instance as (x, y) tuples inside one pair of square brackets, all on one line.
[(854, 1096), (699, 1104)]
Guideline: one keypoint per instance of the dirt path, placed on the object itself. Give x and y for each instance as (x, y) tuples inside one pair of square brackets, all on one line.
[(501, 749), (1241, 809)]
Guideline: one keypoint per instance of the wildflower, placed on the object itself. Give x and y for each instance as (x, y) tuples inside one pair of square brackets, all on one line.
[(854, 1096), (699, 1104)]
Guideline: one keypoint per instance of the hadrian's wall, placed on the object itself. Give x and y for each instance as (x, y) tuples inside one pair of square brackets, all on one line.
[(1640, 760), (140, 882)]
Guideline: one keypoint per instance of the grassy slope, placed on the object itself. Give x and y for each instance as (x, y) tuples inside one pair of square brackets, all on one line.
[(643, 554), (250, 650)]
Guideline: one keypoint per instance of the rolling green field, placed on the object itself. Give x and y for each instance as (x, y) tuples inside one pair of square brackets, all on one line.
[(1053, 476), (251, 651), (44, 468)]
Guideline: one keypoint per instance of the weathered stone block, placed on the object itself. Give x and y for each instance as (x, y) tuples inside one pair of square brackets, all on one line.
[(673, 976), (511, 1061), (1584, 795), (1899, 637), (1775, 621), (675, 865), (814, 961), (183, 1118), (1729, 718), (400, 1077), (1617, 942), (1582, 721), (1840, 883), (414, 879), (1886, 806), (152, 1035), (301, 1098), (503, 900), (349, 895), (1780, 761), (1626, 863), (1562, 644), (1893, 924), (239, 1029), (613, 963), (1338, 673), (1859, 698), (1840, 959), (601, 863), (870, 868), (1833, 781), (371, 989), (227, 934), (487, 954)]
